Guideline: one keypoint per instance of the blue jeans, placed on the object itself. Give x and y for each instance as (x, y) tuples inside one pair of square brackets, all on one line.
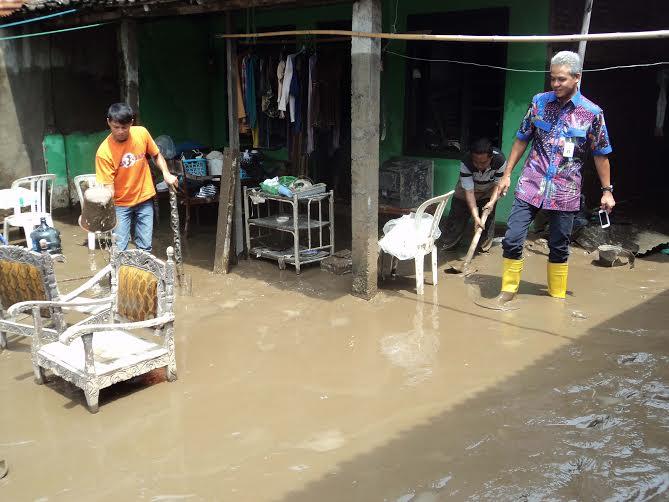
[(143, 215), (522, 215)]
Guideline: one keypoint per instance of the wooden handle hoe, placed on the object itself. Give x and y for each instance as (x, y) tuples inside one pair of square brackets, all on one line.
[(464, 268)]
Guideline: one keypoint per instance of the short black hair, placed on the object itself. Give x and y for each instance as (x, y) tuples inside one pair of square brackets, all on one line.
[(121, 113), (481, 145)]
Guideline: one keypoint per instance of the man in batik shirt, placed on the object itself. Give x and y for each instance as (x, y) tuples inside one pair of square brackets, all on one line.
[(562, 125)]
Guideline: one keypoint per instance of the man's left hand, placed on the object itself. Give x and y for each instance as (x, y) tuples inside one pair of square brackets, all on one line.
[(607, 202), (171, 180)]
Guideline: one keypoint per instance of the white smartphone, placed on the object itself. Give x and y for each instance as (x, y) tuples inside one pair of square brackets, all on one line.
[(604, 219)]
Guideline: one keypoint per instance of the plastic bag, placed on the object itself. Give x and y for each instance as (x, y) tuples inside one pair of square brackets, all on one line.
[(271, 186), (166, 147), (402, 237)]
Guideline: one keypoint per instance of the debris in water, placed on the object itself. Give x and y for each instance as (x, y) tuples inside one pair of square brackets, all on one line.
[(640, 357), (339, 263), (598, 420)]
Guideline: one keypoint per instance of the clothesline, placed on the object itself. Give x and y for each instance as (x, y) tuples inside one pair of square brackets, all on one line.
[(523, 70), (52, 32), (590, 37)]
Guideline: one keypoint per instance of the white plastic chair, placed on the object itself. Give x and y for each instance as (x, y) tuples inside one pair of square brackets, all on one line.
[(427, 246), (42, 185), (78, 182)]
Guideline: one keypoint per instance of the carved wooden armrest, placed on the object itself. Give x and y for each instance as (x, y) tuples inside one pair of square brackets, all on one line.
[(100, 317), (88, 284), (25, 329), (17, 308), (76, 331)]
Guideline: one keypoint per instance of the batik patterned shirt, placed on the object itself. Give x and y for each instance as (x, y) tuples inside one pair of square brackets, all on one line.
[(551, 177)]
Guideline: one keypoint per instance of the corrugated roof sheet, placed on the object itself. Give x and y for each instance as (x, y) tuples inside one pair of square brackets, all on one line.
[(28, 8), (9, 6)]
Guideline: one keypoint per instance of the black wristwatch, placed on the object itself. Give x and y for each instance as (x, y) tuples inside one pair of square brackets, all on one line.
[(608, 189)]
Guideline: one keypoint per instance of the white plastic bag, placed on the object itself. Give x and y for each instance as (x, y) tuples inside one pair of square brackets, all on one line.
[(402, 237)]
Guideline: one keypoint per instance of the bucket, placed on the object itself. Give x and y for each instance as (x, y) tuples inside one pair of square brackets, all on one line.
[(611, 255), (98, 213), (215, 167)]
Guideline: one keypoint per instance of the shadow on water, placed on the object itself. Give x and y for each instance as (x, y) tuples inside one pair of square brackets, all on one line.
[(107, 395), (505, 324), (587, 421)]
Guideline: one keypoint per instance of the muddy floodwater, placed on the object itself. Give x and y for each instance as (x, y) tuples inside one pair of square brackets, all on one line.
[(290, 389)]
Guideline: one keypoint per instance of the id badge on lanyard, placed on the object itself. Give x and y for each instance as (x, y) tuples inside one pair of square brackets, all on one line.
[(568, 148)]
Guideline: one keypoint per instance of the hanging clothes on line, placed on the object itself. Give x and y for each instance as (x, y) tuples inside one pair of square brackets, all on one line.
[(296, 86), (311, 105), (250, 91), (241, 107), (280, 72), (663, 84), (285, 89), (291, 99), (327, 98)]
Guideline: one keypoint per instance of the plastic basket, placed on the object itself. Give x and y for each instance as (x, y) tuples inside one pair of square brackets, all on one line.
[(195, 167)]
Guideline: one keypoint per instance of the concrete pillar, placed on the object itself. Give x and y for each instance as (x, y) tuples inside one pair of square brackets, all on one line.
[(129, 70), (365, 106)]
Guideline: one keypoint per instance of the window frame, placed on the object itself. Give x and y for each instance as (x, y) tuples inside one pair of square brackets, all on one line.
[(419, 21)]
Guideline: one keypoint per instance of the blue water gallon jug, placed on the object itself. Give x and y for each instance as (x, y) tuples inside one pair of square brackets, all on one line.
[(49, 234)]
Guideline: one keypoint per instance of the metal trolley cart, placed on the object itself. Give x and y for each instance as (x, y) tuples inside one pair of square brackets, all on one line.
[(305, 217)]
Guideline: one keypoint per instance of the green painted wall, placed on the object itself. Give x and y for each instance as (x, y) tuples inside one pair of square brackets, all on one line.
[(55, 159), (70, 155), (80, 152), (176, 76)]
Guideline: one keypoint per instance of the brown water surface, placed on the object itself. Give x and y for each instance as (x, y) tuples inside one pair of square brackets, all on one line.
[(291, 389)]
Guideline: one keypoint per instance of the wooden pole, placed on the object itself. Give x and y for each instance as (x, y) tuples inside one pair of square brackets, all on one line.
[(230, 165), (226, 210), (591, 37)]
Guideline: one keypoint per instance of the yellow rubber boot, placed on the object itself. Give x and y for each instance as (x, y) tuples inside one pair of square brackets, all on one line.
[(557, 279), (511, 275)]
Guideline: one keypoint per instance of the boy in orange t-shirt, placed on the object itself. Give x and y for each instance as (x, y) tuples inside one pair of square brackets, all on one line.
[(121, 165)]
